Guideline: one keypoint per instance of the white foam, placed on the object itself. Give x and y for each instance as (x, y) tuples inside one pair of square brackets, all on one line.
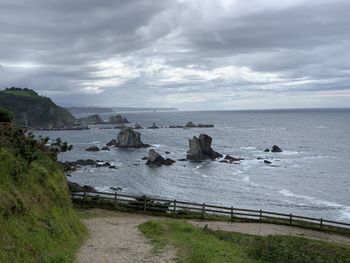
[(157, 145), (246, 179), (248, 148), (345, 212)]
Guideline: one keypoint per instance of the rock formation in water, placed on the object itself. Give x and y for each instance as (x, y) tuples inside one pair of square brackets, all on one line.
[(92, 119), (190, 124), (128, 138), (92, 149), (137, 126), (200, 149), (276, 149), (155, 158), (154, 126), (118, 119)]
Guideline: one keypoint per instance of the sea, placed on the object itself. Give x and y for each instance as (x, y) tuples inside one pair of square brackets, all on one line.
[(311, 177)]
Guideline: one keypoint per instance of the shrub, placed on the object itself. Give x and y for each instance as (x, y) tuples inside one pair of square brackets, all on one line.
[(5, 115)]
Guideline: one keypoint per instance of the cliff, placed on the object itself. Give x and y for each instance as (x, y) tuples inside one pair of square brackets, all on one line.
[(34, 111)]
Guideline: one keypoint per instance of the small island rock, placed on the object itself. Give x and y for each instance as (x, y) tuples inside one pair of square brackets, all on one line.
[(128, 138), (155, 158), (118, 119), (200, 149), (92, 149), (276, 149)]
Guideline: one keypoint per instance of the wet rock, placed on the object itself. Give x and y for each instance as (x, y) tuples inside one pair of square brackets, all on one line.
[(267, 150), (190, 124), (200, 125), (276, 149), (105, 148), (155, 158), (112, 167), (232, 159), (128, 138), (154, 126), (144, 158), (200, 148), (118, 119), (112, 142), (75, 187), (182, 160), (115, 188), (167, 152), (267, 162), (92, 149)]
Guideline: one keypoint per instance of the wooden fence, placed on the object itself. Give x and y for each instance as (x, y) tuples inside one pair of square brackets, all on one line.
[(176, 207)]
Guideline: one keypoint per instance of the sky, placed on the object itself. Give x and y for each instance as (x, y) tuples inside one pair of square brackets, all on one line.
[(189, 54)]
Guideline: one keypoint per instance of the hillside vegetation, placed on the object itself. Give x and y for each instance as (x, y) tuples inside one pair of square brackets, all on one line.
[(31, 110), (37, 222), (195, 245)]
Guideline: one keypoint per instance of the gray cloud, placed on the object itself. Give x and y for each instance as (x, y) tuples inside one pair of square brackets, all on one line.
[(190, 54)]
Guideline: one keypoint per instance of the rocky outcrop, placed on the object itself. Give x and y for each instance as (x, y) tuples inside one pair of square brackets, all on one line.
[(154, 126), (276, 149), (128, 138), (112, 142), (92, 149), (118, 119), (200, 148), (267, 150), (105, 148), (155, 159), (92, 119), (75, 187), (70, 166), (137, 126), (190, 124)]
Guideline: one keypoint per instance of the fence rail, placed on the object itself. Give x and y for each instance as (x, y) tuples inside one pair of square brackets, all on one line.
[(146, 203)]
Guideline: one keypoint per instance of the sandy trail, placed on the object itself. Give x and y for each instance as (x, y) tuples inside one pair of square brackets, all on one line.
[(270, 229), (114, 237)]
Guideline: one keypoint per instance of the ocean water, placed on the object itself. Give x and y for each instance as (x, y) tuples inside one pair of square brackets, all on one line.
[(311, 177)]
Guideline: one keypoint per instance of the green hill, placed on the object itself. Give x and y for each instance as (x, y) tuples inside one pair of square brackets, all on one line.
[(34, 111), (37, 221)]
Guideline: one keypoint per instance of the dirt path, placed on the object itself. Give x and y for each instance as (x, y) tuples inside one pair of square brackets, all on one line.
[(270, 229), (114, 237)]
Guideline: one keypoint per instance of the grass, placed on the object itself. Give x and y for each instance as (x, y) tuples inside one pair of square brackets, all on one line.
[(195, 245), (37, 220)]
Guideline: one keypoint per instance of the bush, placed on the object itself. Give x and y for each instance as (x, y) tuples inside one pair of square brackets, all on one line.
[(5, 115)]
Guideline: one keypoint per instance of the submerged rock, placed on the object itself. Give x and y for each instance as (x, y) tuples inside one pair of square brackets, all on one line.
[(92, 149), (200, 125), (232, 159), (267, 162), (276, 149), (267, 150), (105, 148), (155, 158), (200, 149), (128, 138)]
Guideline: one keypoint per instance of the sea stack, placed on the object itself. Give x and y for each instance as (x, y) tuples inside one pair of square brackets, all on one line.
[(128, 138), (200, 149), (118, 119), (155, 158)]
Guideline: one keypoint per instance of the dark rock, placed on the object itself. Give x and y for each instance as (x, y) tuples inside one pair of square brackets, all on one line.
[(154, 126), (232, 159), (176, 126), (155, 158), (105, 148), (224, 161), (190, 124), (267, 162), (260, 158), (74, 187), (182, 160), (112, 142), (276, 149), (118, 119), (200, 149), (128, 138), (267, 150), (144, 158), (112, 167), (137, 126), (167, 152), (102, 164), (200, 125), (92, 149)]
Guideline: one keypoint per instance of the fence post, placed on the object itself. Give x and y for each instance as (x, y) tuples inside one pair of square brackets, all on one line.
[(144, 203), (115, 199), (175, 206), (321, 222), (84, 198), (290, 218), (231, 213), (203, 210), (260, 217)]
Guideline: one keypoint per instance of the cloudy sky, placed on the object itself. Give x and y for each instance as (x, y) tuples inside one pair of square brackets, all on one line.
[(190, 54)]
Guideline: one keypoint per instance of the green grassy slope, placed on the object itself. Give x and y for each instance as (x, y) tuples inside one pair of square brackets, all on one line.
[(195, 245), (37, 222)]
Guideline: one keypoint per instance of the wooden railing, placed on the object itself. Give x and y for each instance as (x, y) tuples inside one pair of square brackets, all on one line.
[(145, 203)]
